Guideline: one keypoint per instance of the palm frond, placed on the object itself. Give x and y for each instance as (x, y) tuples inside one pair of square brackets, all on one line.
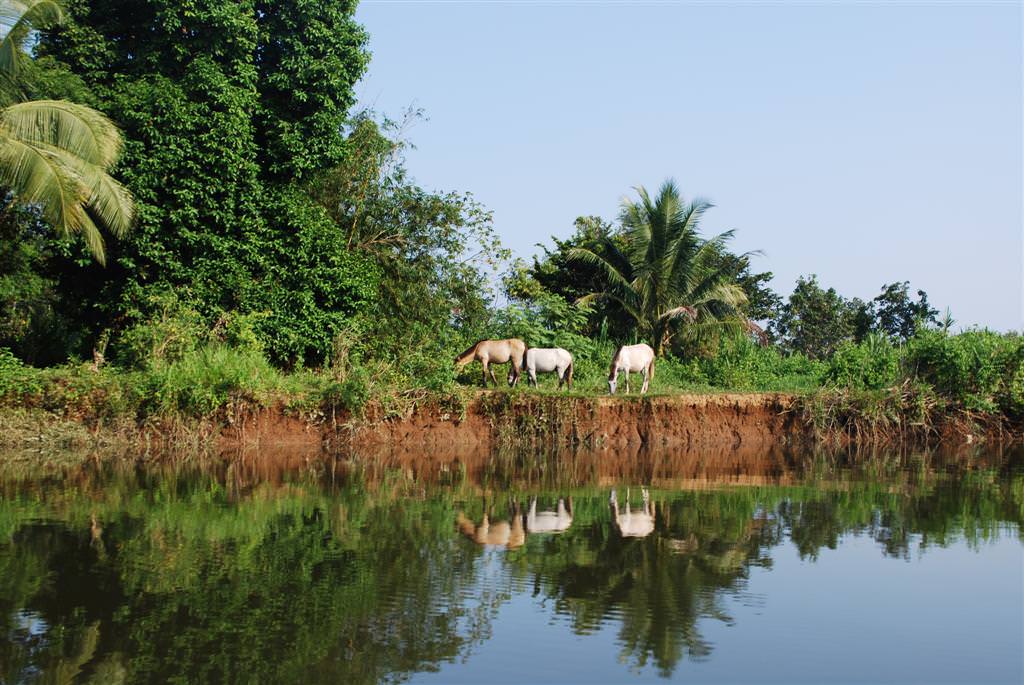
[(93, 238), (76, 129), (23, 18), (108, 199), (36, 176), (587, 256), (675, 313)]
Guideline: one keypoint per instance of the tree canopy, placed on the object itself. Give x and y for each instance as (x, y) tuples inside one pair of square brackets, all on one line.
[(665, 273)]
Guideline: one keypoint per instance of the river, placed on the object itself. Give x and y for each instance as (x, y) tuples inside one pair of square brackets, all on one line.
[(513, 568)]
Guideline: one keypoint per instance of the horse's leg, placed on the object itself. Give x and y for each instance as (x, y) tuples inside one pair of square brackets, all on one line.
[(495, 379), (643, 388), (561, 376), (486, 367), (627, 390), (532, 371)]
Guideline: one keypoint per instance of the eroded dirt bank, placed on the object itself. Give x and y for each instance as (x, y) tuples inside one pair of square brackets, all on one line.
[(710, 423), (718, 426)]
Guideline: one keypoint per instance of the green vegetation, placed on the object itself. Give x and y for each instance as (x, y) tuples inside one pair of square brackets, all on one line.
[(666, 273), (280, 254)]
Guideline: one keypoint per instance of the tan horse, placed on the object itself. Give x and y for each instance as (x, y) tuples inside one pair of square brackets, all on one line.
[(489, 352), (508, 534)]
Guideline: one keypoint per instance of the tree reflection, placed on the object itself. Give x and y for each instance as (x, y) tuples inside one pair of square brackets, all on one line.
[(139, 576)]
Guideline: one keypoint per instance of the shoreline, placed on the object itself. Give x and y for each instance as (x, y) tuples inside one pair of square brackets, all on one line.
[(715, 424)]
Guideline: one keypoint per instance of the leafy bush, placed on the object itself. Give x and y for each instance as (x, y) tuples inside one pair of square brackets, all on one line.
[(742, 365), (15, 377), (979, 369), (206, 379), (163, 329), (872, 364)]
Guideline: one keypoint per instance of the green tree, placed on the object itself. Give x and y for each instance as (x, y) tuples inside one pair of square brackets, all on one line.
[(557, 273), (226, 107), (900, 317), (666, 273), (814, 321), (432, 249)]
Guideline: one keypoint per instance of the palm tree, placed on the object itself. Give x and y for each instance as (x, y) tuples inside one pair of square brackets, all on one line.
[(666, 273), (55, 155)]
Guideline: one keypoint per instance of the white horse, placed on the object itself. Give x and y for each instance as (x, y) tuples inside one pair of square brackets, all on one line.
[(633, 524), (549, 521), (546, 360), (632, 358)]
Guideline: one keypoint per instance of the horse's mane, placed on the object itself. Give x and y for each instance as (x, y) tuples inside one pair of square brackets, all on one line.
[(615, 360), (469, 350)]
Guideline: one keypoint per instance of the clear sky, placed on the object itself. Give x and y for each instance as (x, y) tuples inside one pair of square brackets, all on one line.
[(864, 142)]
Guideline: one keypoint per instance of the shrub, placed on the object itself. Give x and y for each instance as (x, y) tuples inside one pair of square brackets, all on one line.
[(206, 379), (872, 364), (979, 369), (163, 329), (15, 377), (742, 365)]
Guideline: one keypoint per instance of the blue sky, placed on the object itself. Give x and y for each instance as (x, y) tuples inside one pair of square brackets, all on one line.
[(864, 142)]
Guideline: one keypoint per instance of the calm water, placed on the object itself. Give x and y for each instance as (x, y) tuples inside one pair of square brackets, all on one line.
[(775, 570)]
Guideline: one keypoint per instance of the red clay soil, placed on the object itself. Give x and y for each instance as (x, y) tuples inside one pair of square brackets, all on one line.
[(716, 423)]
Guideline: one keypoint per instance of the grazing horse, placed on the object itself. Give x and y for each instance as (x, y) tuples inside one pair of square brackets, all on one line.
[(546, 360), (633, 524), (631, 358), (507, 534), (549, 521), (489, 352)]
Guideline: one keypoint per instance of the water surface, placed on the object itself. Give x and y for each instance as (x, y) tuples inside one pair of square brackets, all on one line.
[(361, 571)]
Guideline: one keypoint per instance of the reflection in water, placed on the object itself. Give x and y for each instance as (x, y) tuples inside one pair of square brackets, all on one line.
[(545, 521), (633, 523), (509, 534), (353, 572)]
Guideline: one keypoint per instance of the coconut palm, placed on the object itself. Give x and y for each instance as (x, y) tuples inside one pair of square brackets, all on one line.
[(55, 155), (666, 274), (23, 18)]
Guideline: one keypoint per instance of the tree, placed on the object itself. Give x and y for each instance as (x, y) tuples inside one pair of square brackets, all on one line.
[(54, 154), (227, 108), (431, 248), (814, 321), (665, 273), (556, 274), (899, 317)]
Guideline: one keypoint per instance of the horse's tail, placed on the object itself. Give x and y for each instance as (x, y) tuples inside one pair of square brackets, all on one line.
[(568, 375), (650, 371), (467, 355)]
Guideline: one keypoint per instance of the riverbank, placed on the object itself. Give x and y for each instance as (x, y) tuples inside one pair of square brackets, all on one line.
[(714, 424)]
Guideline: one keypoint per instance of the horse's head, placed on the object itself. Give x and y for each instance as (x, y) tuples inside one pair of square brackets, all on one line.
[(611, 385)]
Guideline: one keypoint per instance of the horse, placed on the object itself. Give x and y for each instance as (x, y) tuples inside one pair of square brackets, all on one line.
[(549, 521), (630, 358), (489, 352), (507, 534), (546, 360), (633, 524)]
